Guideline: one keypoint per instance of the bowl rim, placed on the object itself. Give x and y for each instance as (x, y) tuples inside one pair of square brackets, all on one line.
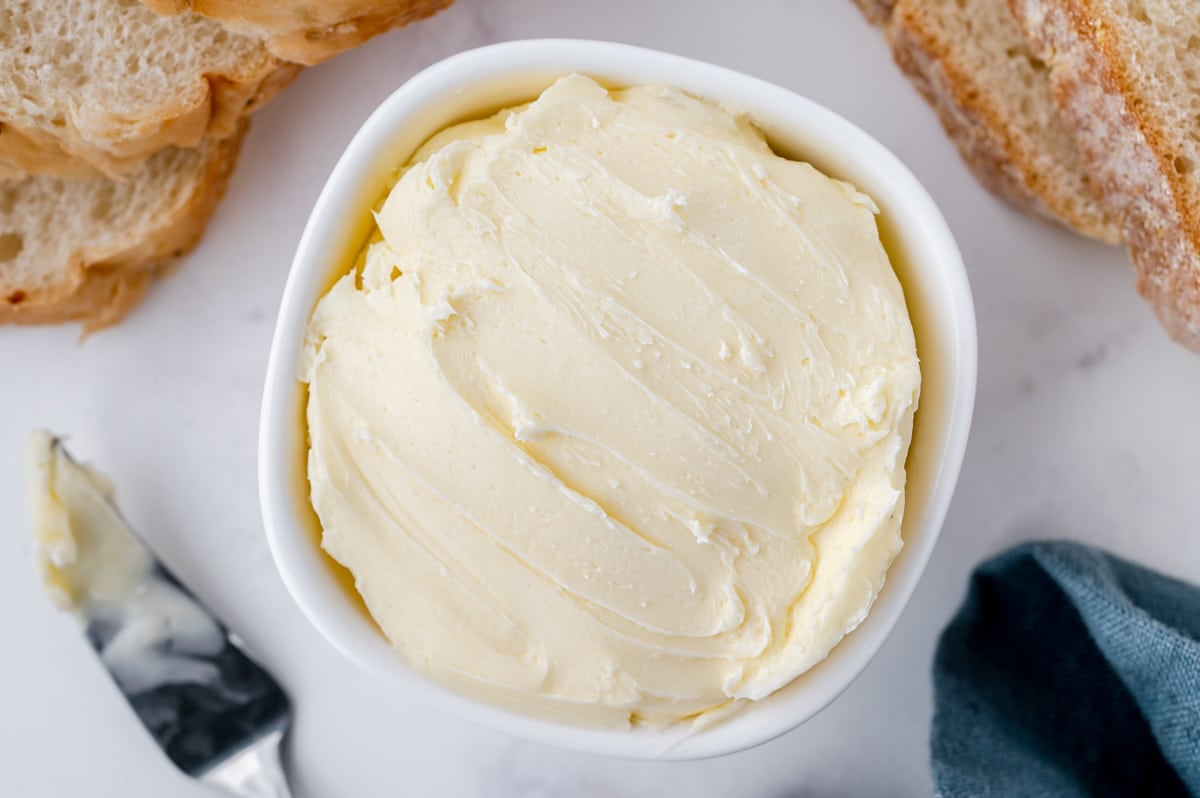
[(298, 560)]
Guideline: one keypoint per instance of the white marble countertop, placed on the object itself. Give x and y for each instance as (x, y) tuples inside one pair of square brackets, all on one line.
[(1086, 427)]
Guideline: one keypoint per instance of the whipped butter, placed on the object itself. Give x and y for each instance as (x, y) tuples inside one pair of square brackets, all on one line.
[(610, 423)]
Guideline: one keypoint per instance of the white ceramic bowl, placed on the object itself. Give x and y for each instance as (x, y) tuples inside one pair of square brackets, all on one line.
[(479, 82)]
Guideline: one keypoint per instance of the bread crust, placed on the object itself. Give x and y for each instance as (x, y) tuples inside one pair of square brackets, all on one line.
[(1126, 152), (307, 31), (27, 151), (213, 109), (966, 121), (980, 130), (101, 285), (877, 12)]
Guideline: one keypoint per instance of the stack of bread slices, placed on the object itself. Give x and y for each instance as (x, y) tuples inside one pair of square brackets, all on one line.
[(120, 122), (1083, 111)]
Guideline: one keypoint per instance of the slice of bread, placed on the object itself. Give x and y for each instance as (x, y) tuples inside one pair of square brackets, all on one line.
[(40, 152), (307, 31), (1126, 77), (88, 249), (100, 85), (877, 12), (968, 59)]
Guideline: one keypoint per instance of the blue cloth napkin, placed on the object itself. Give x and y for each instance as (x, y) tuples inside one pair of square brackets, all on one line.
[(1068, 672)]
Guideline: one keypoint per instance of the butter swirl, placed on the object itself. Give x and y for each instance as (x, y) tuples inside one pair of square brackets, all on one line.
[(611, 424)]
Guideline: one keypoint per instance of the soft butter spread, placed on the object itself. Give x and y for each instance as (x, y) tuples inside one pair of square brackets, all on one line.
[(611, 422), (147, 630)]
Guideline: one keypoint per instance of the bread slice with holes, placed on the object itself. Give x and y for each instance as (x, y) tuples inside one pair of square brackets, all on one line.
[(97, 86), (87, 250), (307, 31), (969, 60), (1126, 78)]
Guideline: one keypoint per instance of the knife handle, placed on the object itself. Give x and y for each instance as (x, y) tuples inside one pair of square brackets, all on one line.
[(255, 772)]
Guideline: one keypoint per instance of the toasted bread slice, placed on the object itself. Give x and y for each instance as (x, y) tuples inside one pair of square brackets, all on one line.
[(1125, 78), (968, 59), (99, 85), (88, 249), (307, 31)]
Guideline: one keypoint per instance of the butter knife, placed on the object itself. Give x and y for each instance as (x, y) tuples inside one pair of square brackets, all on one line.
[(216, 714)]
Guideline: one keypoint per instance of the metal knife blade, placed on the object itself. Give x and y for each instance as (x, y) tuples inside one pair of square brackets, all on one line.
[(210, 707)]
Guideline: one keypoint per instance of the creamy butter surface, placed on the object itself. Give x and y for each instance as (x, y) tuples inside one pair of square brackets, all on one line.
[(611, 425)]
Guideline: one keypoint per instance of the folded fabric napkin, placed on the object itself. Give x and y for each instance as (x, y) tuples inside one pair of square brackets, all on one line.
[(1068, 672)]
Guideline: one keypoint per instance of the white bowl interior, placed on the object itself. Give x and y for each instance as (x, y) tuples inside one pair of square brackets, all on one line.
[(479, 82)]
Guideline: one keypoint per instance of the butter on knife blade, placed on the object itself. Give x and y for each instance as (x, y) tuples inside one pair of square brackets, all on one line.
[(185, 676)]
